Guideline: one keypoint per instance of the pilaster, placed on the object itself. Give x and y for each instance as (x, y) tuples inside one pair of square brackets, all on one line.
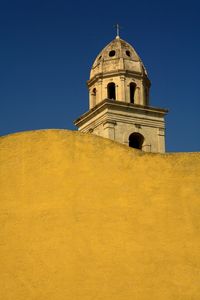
[(109, 129), (122, 94), (99, 90)]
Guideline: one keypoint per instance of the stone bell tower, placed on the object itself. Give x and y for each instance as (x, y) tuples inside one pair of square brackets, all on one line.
[(119, 100)]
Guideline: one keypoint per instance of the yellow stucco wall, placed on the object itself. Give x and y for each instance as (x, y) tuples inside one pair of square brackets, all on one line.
[(84, 218)]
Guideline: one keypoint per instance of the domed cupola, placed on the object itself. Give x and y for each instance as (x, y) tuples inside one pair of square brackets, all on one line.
[(118, 73)]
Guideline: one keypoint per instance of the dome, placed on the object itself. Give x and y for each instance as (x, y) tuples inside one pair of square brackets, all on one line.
[(118, 73), (118, 55)]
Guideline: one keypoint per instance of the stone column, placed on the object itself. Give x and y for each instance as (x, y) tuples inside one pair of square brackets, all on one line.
[(122, 94), (104, 90), (90, 99), (137, 95), (99, 91), (143, 94), (116, 92)]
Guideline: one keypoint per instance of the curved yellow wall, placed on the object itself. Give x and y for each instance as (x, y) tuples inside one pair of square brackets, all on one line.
[(84, 218)]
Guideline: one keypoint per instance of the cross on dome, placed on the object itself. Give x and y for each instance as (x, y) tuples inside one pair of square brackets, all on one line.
[(117, 26)]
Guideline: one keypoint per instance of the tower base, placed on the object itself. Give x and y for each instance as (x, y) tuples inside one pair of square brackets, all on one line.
[(138, 126)]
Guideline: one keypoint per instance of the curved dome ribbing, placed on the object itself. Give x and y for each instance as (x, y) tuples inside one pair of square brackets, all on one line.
[(117, 55)]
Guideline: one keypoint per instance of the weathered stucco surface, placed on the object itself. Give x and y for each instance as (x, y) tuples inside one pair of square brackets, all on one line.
[(84, 218)]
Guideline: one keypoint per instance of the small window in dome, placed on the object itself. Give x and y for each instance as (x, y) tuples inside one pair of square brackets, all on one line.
[(128, 53), (112, 53), (99, 57)]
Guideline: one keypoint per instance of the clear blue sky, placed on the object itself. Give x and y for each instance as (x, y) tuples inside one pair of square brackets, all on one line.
[(48, 47)]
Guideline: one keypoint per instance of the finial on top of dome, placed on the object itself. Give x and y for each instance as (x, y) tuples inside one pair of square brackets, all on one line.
[(117, 28)]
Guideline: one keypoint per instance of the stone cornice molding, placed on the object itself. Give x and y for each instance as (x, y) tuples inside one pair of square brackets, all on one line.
[(110, 105), (108, 74)]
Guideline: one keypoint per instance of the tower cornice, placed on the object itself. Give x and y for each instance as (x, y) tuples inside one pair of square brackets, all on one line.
[(126, 73), (119, 105)]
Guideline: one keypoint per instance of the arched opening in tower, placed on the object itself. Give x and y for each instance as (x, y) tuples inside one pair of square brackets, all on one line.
[(111, 91), (132, 92), (94, 94), (136, 140)]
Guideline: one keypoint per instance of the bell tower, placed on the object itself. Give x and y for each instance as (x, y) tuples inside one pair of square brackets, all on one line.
[(119, 100)]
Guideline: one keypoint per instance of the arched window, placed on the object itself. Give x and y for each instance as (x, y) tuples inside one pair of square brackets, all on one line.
[(94, 95), (111, 91), (132, 92), (136, 140)]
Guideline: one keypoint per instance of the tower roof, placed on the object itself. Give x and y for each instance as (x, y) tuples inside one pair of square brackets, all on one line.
[(117, 56)]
